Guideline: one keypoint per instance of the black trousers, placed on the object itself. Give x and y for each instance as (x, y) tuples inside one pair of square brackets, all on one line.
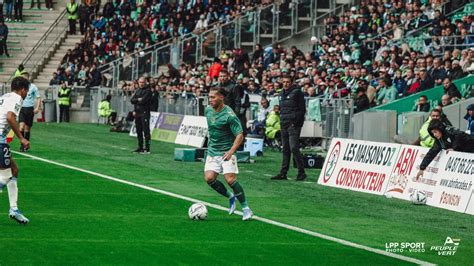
[(49, 3), (3, 47), (83, 25), (33, 3), (63, 113), (19, 10), (72, 26), (290, 140), (142, 124)]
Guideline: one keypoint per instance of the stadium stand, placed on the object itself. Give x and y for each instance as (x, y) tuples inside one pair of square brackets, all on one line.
[(123, 27), (23, 36)]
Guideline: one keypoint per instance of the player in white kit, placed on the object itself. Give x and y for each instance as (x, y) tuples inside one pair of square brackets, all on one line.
[(10, 106)]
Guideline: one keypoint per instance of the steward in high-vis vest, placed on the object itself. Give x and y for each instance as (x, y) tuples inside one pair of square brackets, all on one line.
[(425, 138), (64, 100), (72, 16), (106, 111)]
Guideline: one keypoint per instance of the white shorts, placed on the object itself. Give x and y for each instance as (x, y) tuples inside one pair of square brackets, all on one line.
[(218, 165)]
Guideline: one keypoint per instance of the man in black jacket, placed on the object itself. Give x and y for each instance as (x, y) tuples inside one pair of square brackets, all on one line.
[(141, 100), (446, 138), (233, 97), (361, 102), (292, 114)]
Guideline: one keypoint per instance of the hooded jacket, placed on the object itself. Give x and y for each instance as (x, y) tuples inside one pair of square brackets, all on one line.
[(452, 139)]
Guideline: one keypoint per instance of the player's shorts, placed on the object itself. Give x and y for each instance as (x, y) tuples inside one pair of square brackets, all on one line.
[(26, 116), (218, 165), (5, 156)]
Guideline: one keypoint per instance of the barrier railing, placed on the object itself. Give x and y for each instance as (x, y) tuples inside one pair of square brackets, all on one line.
[(40, 51)]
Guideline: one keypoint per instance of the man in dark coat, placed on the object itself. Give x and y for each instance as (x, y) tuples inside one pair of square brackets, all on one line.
[(292, 115), (233, 96), (141, 100)]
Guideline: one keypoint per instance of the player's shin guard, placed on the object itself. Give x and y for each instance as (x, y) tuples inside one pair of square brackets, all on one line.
[(13, 193), (27, 135), (219, 187), (239, 193)]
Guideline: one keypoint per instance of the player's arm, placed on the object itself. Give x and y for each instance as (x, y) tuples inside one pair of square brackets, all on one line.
[(37, 105), (237, 142), (11, 119)]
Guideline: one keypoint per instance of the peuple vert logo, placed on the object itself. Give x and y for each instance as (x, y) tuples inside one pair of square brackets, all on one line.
[(449, 248), (333, 157)]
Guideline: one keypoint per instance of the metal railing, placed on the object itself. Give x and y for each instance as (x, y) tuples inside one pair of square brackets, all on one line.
[(265, 25), (39, 52), (334, 115)]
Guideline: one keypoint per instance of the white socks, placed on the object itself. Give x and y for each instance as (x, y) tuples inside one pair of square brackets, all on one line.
[(13, 193)]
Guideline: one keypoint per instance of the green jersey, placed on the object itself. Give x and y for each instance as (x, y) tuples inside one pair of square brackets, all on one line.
[(223, 127)]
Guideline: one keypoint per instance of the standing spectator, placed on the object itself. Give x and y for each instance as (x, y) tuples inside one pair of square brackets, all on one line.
[(31, 106), (72, 16), (18, 10), (64, 99), (292, 113), (33, 4), (84, 18), (3, 38), (215, 69), (470, 119), (49, 5), (8, 10), (141, 101), (155, 99), (423, 105), (232, 99), (451, 90)]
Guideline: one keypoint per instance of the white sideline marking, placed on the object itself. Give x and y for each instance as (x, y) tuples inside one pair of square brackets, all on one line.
[(215, 206)]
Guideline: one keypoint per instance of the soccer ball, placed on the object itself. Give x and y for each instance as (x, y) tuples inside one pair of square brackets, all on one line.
[(197, 211), (418, 197)]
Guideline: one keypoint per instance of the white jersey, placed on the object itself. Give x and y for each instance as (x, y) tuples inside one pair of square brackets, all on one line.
[(9, 102)]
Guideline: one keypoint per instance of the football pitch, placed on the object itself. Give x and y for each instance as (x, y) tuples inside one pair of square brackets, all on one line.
[(91, 201)]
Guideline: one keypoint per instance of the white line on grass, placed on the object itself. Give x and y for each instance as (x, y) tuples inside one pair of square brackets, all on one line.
[(215, 206)]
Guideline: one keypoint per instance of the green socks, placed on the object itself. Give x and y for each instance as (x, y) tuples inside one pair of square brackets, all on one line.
[(239, 194), (220, 188)]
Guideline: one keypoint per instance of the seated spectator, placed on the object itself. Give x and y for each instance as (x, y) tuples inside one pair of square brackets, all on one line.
[(386, 92), (361, 103), (426, 82), (470, 119), (445, 100), (451, 90), (258, 127), (272, 124), (423, 105)]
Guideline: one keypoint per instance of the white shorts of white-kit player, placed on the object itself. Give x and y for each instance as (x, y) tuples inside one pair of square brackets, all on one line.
[(218, 165)]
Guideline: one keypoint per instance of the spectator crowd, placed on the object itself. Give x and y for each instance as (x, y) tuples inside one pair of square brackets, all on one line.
[(122, 28)]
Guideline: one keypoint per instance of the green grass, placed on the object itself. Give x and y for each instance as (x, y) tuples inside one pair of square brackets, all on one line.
[(78, 218)]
